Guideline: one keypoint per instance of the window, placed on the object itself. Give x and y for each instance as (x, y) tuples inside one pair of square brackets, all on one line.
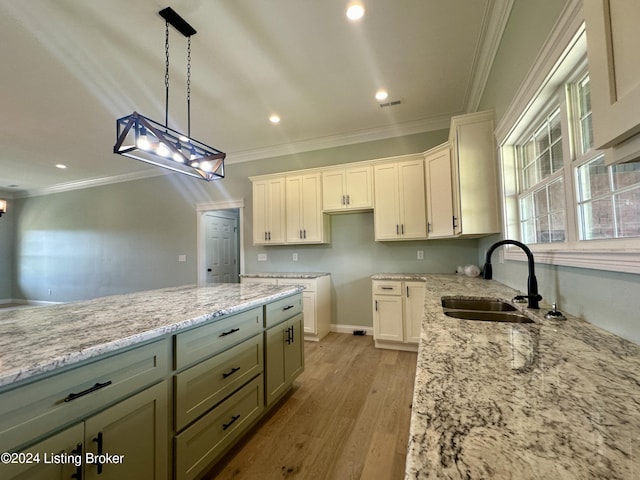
[(560, 197)]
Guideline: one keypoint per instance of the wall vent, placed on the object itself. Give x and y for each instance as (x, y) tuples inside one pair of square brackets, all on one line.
[(391, 104)]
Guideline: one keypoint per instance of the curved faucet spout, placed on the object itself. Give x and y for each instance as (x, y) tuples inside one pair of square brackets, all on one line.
[(532, 283)]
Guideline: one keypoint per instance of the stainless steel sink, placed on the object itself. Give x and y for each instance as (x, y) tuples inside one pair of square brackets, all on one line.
[(486, 305), (489, 316), (483, 309)]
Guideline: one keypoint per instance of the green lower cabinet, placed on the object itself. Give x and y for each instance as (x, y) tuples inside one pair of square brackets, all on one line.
[(202, 443), (129, 440), (57, 457), (284, 356)]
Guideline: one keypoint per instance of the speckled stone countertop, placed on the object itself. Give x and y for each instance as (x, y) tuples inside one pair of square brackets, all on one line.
[(549, 400), (408, 277), (35, 340), (300, 275)]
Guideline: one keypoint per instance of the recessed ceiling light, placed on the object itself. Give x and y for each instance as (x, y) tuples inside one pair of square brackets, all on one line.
[(274, 119), (355, 11), (381, 95), (60, 165)]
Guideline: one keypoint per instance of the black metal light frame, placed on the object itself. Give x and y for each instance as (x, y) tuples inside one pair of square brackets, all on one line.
[(143, 139)]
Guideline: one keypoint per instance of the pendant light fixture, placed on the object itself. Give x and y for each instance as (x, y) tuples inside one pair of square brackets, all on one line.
[(146, 140)]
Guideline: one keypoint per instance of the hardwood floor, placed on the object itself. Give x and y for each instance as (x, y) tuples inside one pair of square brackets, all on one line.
[(346, 418)]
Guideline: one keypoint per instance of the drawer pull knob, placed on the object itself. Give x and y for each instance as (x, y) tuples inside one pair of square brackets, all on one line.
[(228, 374), (233, 330), (233, 419), (97, 386), (98, 440), (288, 307)]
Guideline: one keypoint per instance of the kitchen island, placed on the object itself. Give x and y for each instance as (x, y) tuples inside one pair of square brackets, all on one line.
[(164, 380), (553, 399)]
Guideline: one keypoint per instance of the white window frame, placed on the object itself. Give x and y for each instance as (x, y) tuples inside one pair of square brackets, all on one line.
[(563, 54)]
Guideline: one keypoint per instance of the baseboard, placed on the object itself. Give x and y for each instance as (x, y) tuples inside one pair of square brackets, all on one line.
[(22, 301), (339, 328)]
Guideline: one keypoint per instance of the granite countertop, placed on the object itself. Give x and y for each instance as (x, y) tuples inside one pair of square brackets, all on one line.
[(35, 340), (407, 277), (301, 275), (549, 400)]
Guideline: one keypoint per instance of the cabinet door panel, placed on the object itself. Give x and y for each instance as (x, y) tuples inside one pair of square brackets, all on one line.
[(333, 190), (387, 311), (440, 194), (295, 222), (358, 187), (412, 200), (68, 442), (385, 214), (276, 213), (135, 429), (311, 206), (294, 349), (414, 310)]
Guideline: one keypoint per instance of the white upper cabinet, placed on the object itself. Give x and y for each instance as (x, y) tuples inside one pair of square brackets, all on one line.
[(399, 199), (613, 40), (347, 188), (269, 211), (305, 221), (439, 192), (474, 175)]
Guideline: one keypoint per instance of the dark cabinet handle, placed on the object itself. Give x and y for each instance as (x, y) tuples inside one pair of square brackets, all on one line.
[(233, 330), (98, 440), (97, 386), (233, 419), (78, 451), (228, 374), (288, 307), (387, 288)]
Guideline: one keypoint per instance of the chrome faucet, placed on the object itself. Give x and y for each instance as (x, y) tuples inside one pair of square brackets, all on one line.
[(532, 284)]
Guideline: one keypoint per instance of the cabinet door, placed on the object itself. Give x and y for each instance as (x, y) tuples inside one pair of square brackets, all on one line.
[(385, 214), (294, 349), (269, 211), (311, 205), (66, 446), (439, 193), (260, 214), (414, 310), (413, 218), (387, 318), (294, 210), (275, 377), (134, 433), (614, 70), (333, 198), (358, 187), (309, 309)]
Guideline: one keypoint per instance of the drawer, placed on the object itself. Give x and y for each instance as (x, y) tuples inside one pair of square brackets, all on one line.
[(281, 310), (381, 287), (204, 441), (309, 285), (250, 280), (202, 342), (45, 405), (206, 384)]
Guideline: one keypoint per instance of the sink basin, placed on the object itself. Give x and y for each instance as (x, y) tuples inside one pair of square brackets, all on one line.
[(488, 316), (486, 305)]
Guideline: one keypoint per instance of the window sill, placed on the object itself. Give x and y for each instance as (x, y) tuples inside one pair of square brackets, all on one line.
[(625, 260)]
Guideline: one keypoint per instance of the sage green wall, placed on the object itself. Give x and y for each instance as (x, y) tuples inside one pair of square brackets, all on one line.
[(606, 299), (6, 250), (127, 236)]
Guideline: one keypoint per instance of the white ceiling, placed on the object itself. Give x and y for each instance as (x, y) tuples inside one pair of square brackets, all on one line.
[(71, 67)]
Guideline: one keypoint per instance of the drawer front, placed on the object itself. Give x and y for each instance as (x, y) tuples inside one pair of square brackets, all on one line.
[(250, 280), (281, 310), (387, 288), (44, 405), (207, 439), (309, 285), (203, 342), (206, 384)]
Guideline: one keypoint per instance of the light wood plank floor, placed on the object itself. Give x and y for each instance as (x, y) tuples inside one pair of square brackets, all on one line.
[(346, 418)]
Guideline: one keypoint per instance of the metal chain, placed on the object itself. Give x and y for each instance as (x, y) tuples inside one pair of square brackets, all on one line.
[(189, 87), (166, 73)]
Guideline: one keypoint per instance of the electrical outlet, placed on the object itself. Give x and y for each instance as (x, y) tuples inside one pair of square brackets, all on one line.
[(262, 257), (420, 254), (295, 257), (182, 258)]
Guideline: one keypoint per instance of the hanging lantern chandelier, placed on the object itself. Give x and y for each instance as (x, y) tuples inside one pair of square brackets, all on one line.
[(143, 139)]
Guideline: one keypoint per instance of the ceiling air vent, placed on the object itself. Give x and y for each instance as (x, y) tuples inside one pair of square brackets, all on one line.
[(391, 104)]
